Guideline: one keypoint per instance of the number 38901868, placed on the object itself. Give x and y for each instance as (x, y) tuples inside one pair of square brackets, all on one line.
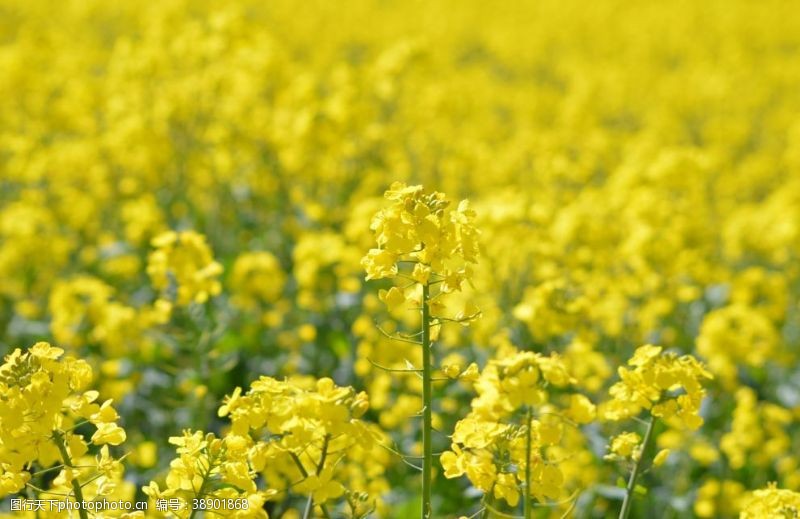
[(220, 504)]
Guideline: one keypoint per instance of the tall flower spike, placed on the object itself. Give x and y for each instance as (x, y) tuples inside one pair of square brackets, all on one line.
[(666, 385), (421, 228), (423, 240)]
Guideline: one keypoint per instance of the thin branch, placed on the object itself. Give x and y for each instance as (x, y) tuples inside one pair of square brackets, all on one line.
[(464, 319), (434, 429), (401, 456), (498, 513), (324, 454), (82, 422), (304, 472), (57, 467), (570, 509), (96, 477), (558, 503), (394, 370), (299, 464), (43, 491), (406, 276), (395, 337)]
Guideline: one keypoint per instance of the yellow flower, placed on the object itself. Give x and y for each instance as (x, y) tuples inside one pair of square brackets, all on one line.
[(470, 374), (256, 278), (393, 298), (421, 273), (505, 487), (182, 263), (420, 228), (581, 409), (661, 457), (716, 498), (41, 398), (547, 482), (451, 370), (451, 461), (379, 264), (322, 487), (652, 385), (42, 350), (313, 439), (108, 433), (771, 502), (625, 444), (644, 354)]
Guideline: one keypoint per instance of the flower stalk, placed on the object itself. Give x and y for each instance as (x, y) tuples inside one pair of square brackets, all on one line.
[(427, 398), (419, 228), (526, 504), (204, 484), (305, 474), (320, 467), (60, 442), (630, 489)]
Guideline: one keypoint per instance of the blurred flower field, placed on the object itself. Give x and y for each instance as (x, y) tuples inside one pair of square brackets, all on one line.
[(514, 259)]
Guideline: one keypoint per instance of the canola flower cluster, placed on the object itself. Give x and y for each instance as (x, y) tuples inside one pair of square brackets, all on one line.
[(500, 446), (772, 502), (401, 259), (312, 435), (47, 415), (652, 385), (209, 469)]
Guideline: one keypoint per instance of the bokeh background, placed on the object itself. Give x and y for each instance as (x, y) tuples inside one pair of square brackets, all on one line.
[(634, 167)]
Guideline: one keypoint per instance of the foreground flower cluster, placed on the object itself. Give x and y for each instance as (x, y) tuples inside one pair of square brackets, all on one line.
[(400, 259)]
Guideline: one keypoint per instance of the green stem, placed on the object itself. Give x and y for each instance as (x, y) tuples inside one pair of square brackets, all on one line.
[(76, 486), (201, 372), (427, 398), (309, 506), (629, 490), (526, 504), (206, 479), (320, 466), (324, 454), (304, 472)]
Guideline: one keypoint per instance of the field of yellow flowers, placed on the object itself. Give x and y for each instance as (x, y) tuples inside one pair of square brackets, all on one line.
[(399, 259)]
